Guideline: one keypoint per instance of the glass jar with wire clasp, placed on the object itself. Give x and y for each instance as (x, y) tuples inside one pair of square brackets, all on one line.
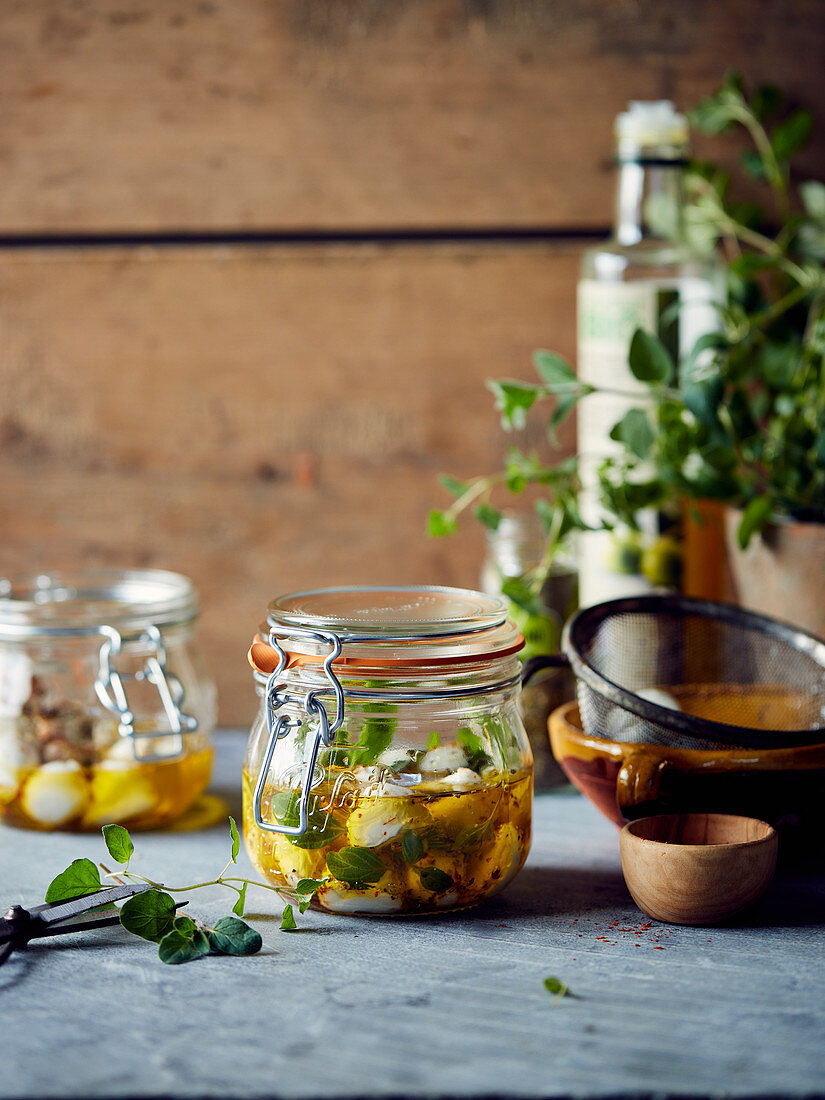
[(106, 710), (388, 761)]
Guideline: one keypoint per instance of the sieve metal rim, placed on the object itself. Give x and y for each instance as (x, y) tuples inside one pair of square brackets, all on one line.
[(697, 729)]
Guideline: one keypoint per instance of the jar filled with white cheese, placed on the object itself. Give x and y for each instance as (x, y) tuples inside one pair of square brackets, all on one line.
[(388, 762), (106, 710)]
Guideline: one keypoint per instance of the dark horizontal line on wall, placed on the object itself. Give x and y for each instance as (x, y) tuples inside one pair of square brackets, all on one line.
[(210, 238)]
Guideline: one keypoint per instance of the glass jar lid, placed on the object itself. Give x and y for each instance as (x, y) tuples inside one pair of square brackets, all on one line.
[(388, 625), (78, 601)]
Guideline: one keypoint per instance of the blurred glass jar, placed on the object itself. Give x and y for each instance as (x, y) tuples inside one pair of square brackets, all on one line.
[(514, 549), (106, 711), (388, 759)]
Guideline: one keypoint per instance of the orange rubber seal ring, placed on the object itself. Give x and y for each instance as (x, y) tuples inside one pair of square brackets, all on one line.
[(264, 658)]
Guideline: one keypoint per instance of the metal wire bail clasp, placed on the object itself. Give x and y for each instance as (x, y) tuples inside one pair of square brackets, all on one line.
[(279, 725), (111, 691)]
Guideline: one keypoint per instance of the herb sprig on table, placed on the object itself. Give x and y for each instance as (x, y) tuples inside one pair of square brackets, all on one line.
[(556, 988), (153, 915)]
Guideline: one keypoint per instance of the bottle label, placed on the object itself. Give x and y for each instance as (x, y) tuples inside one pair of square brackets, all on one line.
[(678, 311)]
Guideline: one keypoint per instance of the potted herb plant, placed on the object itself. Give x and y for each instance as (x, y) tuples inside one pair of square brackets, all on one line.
[(741, 419)]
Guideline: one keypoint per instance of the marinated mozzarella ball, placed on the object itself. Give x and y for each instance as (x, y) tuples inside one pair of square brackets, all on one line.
[(394, 790), (369, 900), (55, 793), (121, 751), (446, 758), (366, 778), (464, 779), (294, 863), (163, 747), (136, 749), (376, 823), (505, 857), (395, 759)]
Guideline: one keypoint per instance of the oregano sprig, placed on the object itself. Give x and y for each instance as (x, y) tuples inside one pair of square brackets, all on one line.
[(152, 915), (556, 988)]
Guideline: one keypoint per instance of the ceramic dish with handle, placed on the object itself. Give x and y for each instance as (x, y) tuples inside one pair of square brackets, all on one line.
[(625, 781)]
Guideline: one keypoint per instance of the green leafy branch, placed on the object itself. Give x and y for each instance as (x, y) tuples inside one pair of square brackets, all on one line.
[(559, 514), (765, 438), (742, 420), (774, 148), (152, 915)]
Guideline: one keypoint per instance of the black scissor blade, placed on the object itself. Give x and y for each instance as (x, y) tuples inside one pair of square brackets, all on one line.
[(103, 921), (56, 911)]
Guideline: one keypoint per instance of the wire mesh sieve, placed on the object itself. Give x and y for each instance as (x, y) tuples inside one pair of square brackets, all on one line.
[(693, 674)]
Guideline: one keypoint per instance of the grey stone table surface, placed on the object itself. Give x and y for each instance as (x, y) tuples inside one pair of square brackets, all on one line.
[(452, 1006)]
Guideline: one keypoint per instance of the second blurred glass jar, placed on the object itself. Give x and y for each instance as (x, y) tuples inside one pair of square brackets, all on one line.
[(514, 549), (106, 712)]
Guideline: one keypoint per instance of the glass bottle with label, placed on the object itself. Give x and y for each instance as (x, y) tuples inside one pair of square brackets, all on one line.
[(645, 276)]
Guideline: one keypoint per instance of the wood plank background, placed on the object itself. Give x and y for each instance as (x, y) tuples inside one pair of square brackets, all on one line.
[(248, 291), (327, 114)]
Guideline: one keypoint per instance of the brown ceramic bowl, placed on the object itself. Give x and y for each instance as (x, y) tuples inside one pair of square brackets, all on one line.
[(697, 868), (785, 787)]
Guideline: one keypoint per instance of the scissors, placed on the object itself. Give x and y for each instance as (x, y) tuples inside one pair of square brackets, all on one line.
[(18, 925)]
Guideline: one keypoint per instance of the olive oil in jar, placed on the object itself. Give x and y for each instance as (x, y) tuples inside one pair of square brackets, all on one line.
[(66, 795), (436, 845)]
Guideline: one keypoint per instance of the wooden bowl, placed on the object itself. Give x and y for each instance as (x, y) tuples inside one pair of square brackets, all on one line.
[(697, 868)]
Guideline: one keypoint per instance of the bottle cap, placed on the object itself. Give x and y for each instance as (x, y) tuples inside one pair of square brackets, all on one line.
[(651, 124)]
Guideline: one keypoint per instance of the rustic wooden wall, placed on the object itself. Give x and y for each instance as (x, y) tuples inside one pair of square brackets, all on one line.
[(257, 258)]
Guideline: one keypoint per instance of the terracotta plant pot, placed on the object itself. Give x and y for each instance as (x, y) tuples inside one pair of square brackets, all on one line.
[(782, 571)]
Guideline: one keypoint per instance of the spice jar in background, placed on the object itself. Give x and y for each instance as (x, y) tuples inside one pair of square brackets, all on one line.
[(515, 549), (388, 757), (106, 711)]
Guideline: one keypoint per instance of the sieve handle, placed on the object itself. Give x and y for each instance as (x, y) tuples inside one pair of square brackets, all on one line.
[(639, 779), (537, 664)]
